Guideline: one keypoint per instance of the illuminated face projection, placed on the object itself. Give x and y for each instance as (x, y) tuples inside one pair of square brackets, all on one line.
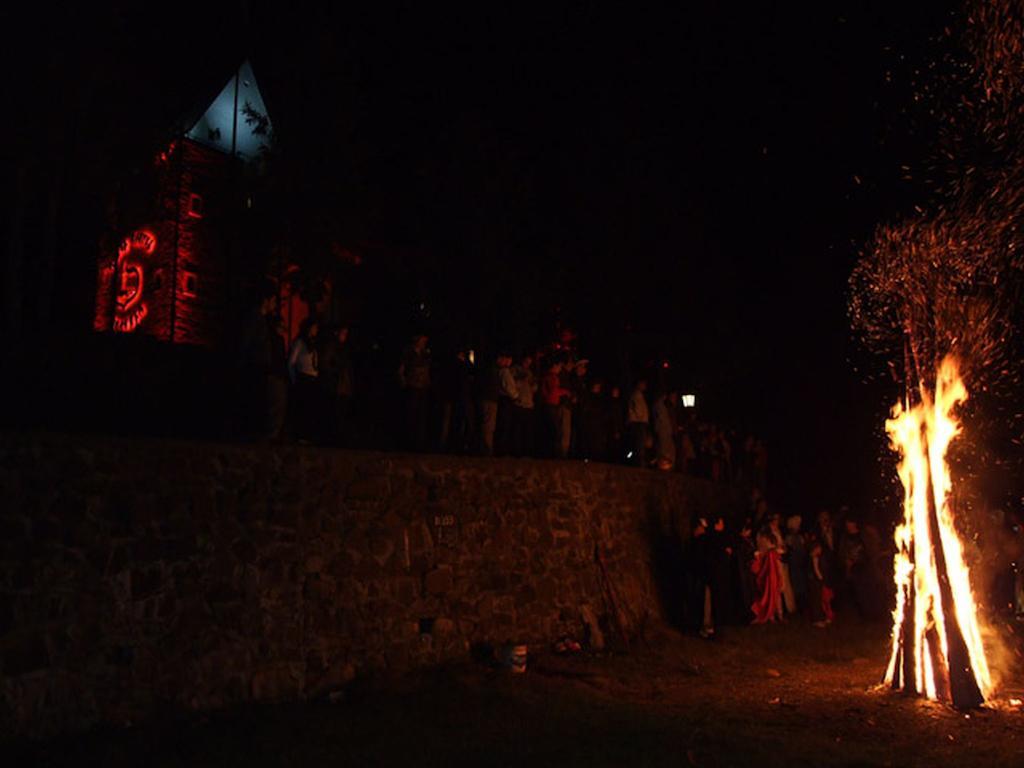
[(131, 280)]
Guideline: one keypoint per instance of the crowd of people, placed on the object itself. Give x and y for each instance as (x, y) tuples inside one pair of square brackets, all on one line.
[(547, 403), (769, 569)]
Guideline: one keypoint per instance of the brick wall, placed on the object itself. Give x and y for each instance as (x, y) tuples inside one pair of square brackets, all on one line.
[(140, 575)]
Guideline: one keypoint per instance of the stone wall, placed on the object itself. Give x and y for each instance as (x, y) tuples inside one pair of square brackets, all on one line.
[(144, 576)]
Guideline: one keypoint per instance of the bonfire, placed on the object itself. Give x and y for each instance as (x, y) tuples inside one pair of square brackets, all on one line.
[(936, 641), (938, 293)]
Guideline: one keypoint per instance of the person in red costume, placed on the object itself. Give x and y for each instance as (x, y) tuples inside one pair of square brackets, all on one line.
[(767, 574)]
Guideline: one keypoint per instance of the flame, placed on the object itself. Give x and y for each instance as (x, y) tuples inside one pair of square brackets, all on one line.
[(921, 435)]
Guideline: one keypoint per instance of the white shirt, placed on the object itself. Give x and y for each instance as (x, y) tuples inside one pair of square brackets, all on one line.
[(301, 359), (638, 408), (507, 381), (527, 386)]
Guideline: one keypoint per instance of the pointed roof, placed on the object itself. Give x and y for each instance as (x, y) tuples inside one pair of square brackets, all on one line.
[(237, 121)]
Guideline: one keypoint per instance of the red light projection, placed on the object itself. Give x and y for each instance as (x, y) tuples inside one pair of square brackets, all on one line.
[(164, 157), (131, 310), (169, 278)]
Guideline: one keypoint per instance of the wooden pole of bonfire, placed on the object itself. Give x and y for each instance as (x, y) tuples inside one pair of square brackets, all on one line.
[(954, 676), (963, 687), (904, 676)]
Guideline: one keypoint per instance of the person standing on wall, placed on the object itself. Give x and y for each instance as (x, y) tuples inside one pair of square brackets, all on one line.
[(637, 423), (336, 379), (523, 410), (555, 396), (508, 391), (464, 416), (665, 430), (616, 425), (263, 370), (592, 423), (303, 371), (490, 393), (276, 374), (414, 378)]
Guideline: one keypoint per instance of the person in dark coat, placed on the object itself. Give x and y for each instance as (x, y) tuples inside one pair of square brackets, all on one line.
[(455, 389), (414, 378), (263, 370), (745, 547), (720, 572), (819, 588), (796, 550), (464, 416), (593, 423), (616, 425), (524, 409), (275, 379), (337, 382), (488, 397), (508, 391), (303, 372), (699, 561), (555, 398)]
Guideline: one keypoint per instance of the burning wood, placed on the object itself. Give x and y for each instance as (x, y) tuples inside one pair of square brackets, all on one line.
[(936, 642)]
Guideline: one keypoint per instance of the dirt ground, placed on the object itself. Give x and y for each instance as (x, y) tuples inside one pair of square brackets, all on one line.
[(789, 695)]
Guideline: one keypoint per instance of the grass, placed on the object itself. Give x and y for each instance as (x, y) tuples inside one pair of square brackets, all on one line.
[(787, 695)]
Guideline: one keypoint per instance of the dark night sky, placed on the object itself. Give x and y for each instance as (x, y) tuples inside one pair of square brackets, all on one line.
[(689, 173)]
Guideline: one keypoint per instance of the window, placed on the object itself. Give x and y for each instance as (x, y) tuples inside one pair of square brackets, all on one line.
[(189, 284)]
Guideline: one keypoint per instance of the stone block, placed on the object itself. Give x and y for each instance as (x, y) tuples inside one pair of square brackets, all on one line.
[(23, 576), (485, 608), (13, 528), (505, 604), (525, 595), (444, 627), (334, 677), (504, 624), (439, 581), (372, 488), (47, 529), (595, 637), (25, 653), (381, 548), (367, 568), (244, 550), (420, 540), (496, 581), (145, 582), (320, 589), (6, 614), (174, 549), (284, 513), (408, 590), (343, 564), (273, 683)]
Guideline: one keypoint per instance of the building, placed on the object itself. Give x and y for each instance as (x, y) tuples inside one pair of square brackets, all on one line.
[(174, 269)]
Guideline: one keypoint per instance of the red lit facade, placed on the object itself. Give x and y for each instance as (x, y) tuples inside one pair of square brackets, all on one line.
[(167, 278)]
